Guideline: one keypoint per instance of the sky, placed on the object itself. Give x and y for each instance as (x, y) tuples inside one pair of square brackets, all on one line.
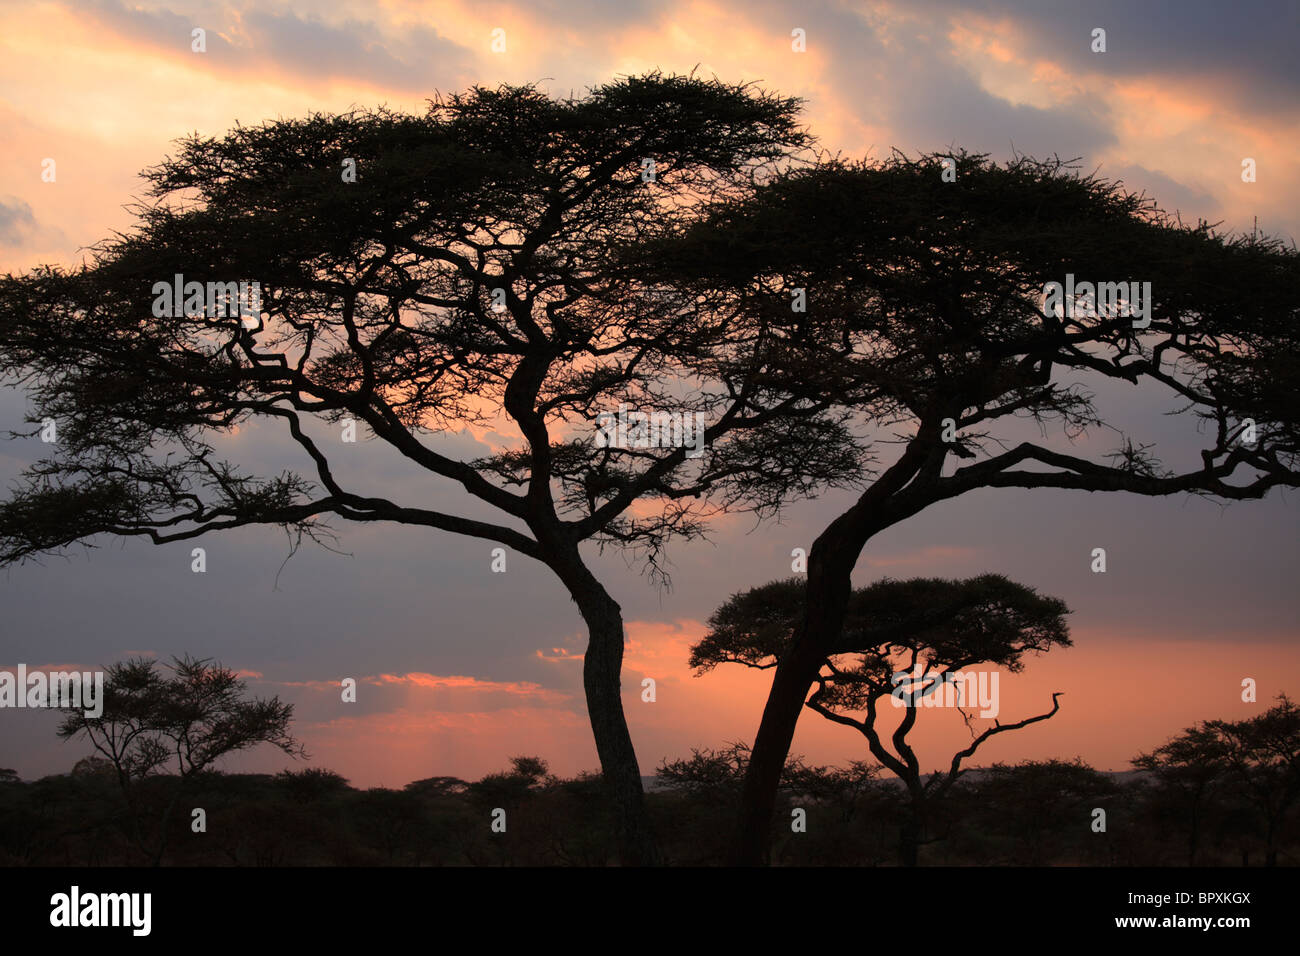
[(458, 668)]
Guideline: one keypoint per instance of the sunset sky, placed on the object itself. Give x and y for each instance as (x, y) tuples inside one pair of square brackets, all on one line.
[(460, 669)]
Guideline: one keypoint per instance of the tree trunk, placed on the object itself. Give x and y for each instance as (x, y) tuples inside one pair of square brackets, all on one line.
[(830, 567), (794, 675), (602, 681), (827, 599), (909, 841)]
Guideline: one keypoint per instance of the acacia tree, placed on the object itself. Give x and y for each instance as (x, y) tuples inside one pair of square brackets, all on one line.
[(1191, 769), (151, 722), (1033, 810), (709, 782), (912, 294), (419, 275), (902, 640), (1263, 755)]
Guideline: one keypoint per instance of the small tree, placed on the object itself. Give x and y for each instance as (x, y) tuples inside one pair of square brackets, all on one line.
[(94, 767), (707, 788), (1189, 769), (902, 639), (1039, 811), (1263, 755), (312, 784), (708, 774), (152, 723)]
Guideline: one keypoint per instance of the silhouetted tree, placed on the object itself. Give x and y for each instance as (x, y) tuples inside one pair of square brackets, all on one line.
[(94, 767), (1040, 810), (526, 776), (152, 723), (1263, 754), (1188, 769), (468, 274), (903, 641), (390, 820), (710, 774), (926, 318), (437, 786), (312, 784), (707, 786)]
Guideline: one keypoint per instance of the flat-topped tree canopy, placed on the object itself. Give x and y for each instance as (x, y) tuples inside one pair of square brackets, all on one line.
[(925, 301), (942, 624), (467, 273), (900, 639)]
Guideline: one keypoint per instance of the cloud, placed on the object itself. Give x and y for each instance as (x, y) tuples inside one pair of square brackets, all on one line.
[(928, 96), (1172, 195), (321, 701), (20, 229), (380, 53), (16, 220), (417, 60), (162, 29), (1246, 51), (456, 682), (418, 743)]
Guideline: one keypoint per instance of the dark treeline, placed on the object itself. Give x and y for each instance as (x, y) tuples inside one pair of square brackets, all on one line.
[(1031, 813)]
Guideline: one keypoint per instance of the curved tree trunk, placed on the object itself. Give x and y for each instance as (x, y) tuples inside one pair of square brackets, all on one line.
[(830, 567), (828, 594), (794, 675), (602, 682)]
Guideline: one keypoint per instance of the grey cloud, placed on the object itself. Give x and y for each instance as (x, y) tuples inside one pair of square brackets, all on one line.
[(163, 28), (19, 226), (418, 59), (1172, 195), (1249, 44), (16, 221), (944, 105), (599, 13), (913, 86)]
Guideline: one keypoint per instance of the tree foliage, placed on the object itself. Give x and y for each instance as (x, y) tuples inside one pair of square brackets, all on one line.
[(927, 324), (1258, 756), (901, 639), (152, 724)]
